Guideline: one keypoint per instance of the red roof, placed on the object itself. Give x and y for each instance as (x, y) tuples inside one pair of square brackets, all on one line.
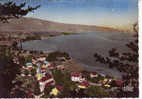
[(76, 74), (43, 71), (94, 73), (84, 83), (43, 68), (59, 87), (119, 82), (51, 66), (30, 95), (49, 83), (43, 79)]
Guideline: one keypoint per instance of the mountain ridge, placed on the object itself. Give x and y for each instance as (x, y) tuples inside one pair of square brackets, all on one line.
[(28, 25)]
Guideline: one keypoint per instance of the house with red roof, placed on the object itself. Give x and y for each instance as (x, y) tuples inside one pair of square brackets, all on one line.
[(119, 83), (77, 77), (34, 61), (51, 66), (30, 95), (49, 83), (93, 74), (43, 70), (46, 81), (84, 84), (60, 88)]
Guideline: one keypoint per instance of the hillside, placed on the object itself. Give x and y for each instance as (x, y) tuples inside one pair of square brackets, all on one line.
[(28, 25)]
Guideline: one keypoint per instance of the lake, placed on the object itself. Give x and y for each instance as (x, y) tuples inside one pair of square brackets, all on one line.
[(82, 47)]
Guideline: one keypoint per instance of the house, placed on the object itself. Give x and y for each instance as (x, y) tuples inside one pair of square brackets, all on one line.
[(128, 88), (46, 81), (93, 74), (103, 75), (23, 75), (60, 67), (119, 83), (39, 63), (34, 61), (6, 43), (51, 66), (49, 83), (82, 78), (107, 85), (55, 91), (46, 63), (42, 58), (61, 59), (43, 70), (30, 95), (105, 81), (29, 66), (83, 85), (75, 77)]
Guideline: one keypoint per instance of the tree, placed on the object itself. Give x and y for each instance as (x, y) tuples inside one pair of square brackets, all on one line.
[(126, 62), (96, 92), (33, 72), (37, 88), (11, 10)]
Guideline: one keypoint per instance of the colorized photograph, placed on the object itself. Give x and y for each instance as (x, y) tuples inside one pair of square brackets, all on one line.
[(69, 49)]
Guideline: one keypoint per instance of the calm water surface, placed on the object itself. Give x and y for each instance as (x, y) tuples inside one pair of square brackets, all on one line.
[(82, 47)]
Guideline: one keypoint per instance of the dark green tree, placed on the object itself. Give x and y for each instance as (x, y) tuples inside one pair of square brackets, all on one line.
[(37, 88), (11, 10), (96, 92)]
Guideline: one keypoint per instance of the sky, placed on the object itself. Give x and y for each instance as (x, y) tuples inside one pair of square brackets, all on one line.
[(109, 13)]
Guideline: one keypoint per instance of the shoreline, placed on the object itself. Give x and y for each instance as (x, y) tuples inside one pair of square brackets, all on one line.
[(100, 69)]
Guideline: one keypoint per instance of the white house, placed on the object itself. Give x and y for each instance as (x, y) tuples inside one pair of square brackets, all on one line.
[(76, 77), (93, 74)]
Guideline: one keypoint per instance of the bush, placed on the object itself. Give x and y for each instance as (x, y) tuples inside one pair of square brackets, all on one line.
[(35, 37), (65, 33), (53, 56)]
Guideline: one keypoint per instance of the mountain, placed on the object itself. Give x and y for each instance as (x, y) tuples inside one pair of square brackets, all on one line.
[(28, 25)]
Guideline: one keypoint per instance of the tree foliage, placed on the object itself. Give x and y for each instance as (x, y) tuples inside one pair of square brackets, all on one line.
[(126, 62), (97, 92), (10, 10)]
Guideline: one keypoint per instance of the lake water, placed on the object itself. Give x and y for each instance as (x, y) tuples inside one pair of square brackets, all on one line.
[(82, 47)]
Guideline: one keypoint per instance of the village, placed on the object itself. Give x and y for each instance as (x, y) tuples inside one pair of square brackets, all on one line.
[(45, 75), (56, 74)]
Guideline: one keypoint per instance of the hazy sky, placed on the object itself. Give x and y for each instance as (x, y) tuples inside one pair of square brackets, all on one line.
[(116, 13)]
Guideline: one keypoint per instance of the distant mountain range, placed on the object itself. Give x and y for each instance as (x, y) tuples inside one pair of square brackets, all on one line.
[(28, 25)]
